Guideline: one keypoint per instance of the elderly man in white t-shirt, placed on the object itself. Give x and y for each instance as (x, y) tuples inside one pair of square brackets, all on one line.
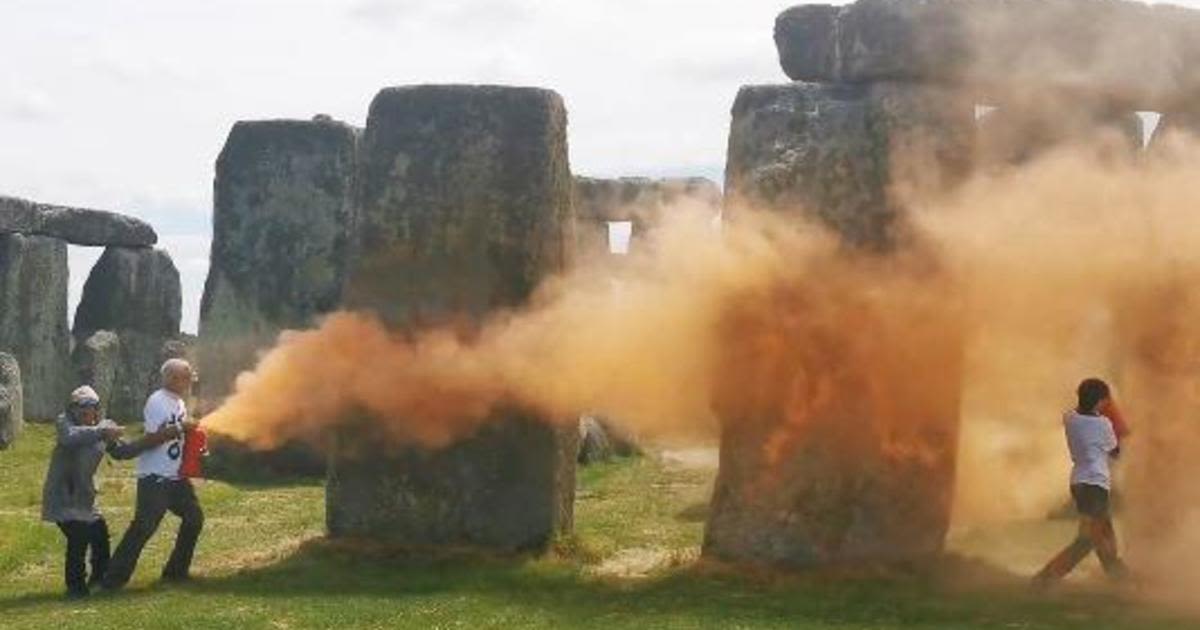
[(160, 488)]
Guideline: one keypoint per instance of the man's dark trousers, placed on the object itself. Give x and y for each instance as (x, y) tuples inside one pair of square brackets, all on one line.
[(82, 535), (155, 496)]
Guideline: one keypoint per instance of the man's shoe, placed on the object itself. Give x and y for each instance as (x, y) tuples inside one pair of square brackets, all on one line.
[(77, 593), (175, 578)]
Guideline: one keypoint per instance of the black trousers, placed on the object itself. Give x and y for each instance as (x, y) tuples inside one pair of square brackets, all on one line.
[(81, 536), (155, 497)]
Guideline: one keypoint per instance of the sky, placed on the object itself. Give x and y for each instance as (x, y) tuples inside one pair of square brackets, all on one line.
[(124, 104)]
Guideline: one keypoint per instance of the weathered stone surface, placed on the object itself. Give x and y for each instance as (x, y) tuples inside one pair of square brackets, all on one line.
[(131, 289), (79, 226), (134, 293), (594, 445), (835, 152), (33, 319), (1019, 134), (638, 200), (12, 412), (97, 360), (1127, 53), (465, 208), (845, 453), (283, 211), (507, 488)]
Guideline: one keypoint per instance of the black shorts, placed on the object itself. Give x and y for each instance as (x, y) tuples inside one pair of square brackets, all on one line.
[(1090, 500)]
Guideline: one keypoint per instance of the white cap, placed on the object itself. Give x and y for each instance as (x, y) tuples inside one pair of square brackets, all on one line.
[(84, 396)]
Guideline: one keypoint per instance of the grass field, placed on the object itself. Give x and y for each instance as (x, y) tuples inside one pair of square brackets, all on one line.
[(633, 563)]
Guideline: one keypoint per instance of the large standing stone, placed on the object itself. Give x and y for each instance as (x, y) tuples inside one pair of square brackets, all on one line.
[(465, 209), (840, 449), (12, 412), (79, 226), (837, 152), (1134, 55), (282, 217), (33, 319), (637, 200), (839, 401), (134, 293)]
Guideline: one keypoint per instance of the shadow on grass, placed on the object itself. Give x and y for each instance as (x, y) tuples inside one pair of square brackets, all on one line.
[(953, 592)]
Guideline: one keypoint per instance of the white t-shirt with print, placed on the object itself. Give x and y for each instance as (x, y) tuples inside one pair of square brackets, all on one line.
[(1090, 439), (163, 407)]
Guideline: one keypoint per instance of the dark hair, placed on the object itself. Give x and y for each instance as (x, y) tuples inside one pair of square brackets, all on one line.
[(1091, 391)]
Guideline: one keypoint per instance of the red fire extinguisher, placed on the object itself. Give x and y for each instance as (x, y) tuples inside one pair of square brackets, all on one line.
[(195, 447)]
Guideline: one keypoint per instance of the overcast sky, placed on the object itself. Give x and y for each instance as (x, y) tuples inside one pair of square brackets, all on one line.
[(125, 104)]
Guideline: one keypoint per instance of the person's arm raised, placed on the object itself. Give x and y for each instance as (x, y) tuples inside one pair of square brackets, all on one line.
[(128, 450), (71, 434)]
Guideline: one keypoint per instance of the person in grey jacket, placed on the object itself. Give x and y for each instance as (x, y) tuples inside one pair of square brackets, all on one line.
[(69, 494)]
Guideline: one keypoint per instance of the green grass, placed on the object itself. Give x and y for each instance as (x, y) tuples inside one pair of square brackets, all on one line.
[(263, 564)]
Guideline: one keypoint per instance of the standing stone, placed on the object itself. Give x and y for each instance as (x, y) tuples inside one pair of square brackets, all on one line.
[(465, 209), (97, 360), (594, 445), (12, 413), (638, 200), (33, 319), (834, 450), (842, 449), (283, 211), (134, 293), (837, 153)]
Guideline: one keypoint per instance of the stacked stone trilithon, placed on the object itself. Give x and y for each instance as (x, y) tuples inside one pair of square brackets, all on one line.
[(33, 304), (885, 101), (639, 201), (835, 151)]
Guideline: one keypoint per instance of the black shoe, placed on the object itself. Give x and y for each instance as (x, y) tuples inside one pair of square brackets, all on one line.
[(176, 578), (77, 593)]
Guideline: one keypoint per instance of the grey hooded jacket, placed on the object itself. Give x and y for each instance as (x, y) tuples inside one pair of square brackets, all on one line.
[(69, 493)]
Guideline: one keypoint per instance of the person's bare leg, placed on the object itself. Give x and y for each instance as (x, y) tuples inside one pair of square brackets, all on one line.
[(1069, 557), (1105, 540)]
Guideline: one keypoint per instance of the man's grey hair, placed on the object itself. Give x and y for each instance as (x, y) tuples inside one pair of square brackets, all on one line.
[(173, 366)]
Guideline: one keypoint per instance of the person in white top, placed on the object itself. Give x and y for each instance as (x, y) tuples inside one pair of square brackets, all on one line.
[(160, 488), (1092, 442)]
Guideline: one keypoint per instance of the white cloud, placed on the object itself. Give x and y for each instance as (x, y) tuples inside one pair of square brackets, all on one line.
[(28, 105), (125, 104)]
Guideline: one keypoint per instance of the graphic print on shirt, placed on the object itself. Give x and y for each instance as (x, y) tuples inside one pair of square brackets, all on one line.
[(175, 449)]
